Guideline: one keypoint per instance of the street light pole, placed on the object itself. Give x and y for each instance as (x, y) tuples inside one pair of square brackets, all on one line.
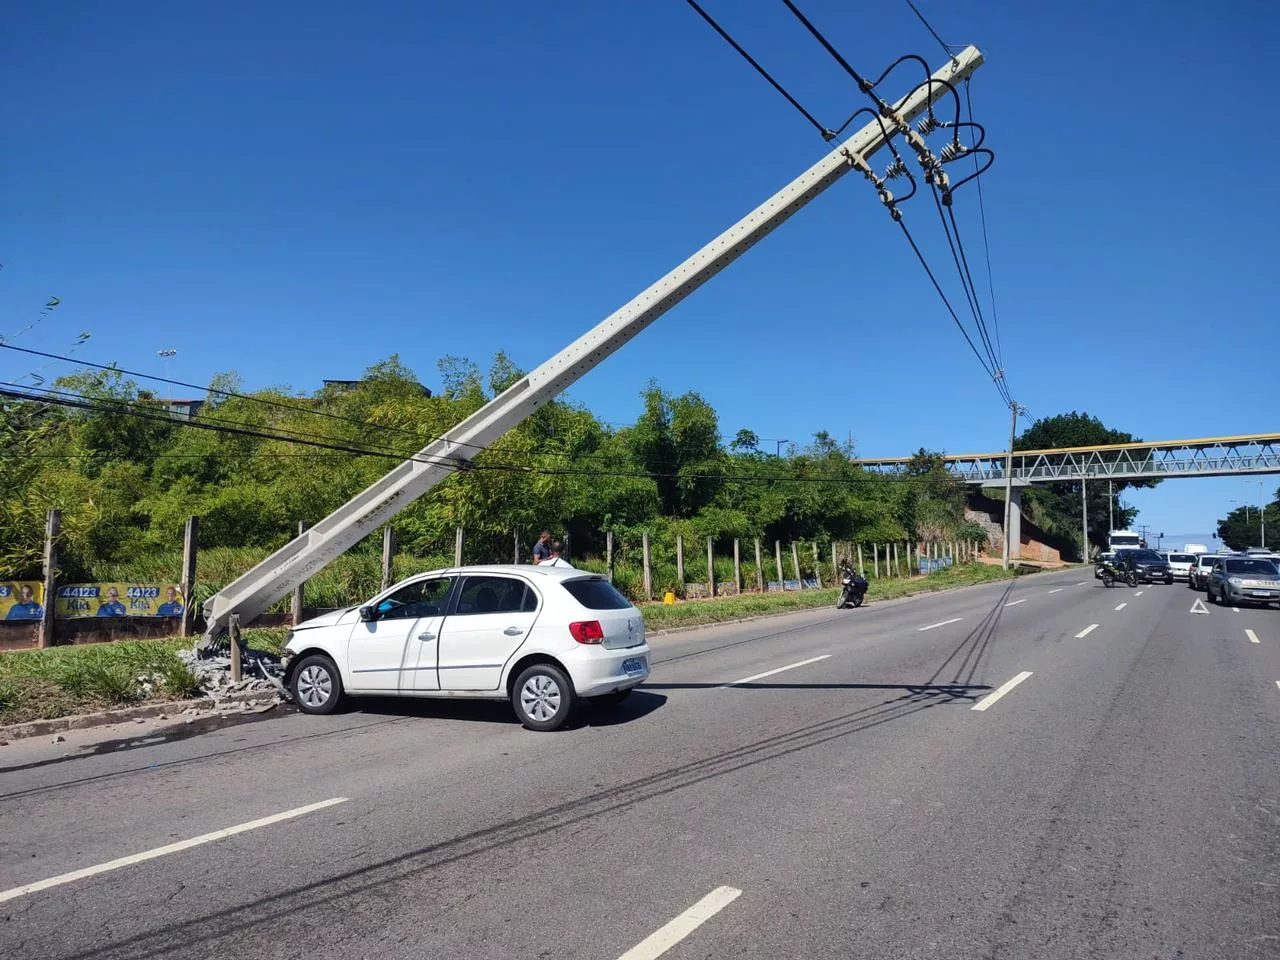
[(164, 355), (777, 447), (1008, 486), (1111, 507)]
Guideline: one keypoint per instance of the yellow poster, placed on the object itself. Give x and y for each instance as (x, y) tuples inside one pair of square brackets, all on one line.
[(118, 600), (22, 600)]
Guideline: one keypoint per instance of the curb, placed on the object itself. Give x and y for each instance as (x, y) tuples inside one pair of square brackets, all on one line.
[(83, 721)]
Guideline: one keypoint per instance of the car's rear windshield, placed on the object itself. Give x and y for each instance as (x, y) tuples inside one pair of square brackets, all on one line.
[(1132, 541), (1206, 560), (1264, 567), (1143, 555), (1182, 558), (595, 593)]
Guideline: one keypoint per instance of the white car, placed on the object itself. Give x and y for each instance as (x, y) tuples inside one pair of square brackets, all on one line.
[(542, 637), (1180, 564), (1201, 569)]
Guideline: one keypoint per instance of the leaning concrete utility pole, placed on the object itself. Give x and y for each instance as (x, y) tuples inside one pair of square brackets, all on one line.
[(1084, 517), (274, 577)]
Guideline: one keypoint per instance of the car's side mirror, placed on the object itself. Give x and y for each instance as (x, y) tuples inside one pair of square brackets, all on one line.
[(368, 613)]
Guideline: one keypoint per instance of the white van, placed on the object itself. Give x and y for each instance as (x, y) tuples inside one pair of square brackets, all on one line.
[(1194, 548)]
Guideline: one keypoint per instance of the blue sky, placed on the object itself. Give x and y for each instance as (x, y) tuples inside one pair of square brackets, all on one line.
[(294, 191)]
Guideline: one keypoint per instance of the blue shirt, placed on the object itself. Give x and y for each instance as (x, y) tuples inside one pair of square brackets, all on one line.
[(26, 611), (112, 610), (171, 609), (540, 552)]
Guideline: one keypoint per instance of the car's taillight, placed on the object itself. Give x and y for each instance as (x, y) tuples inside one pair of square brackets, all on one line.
[(587, 631)]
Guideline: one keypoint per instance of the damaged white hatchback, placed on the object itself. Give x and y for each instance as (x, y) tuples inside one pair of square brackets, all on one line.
[(545, 638)]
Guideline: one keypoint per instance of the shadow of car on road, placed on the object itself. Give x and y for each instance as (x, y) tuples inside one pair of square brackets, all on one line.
[(588, 714)]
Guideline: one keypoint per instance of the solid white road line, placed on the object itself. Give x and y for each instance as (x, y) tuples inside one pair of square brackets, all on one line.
[(1000, 691), (667, 936), (1140, 593), (1121, 607), (1086, 631), (1253, 637), (1056, 590), (941, 623), (1014, 603), (770, 673), (165, 850)]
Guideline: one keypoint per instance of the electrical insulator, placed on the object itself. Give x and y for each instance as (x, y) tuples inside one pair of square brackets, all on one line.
[(952, 150), (895, 170), (928, 124)]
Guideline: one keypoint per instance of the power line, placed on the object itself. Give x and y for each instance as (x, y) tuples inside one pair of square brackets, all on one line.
[(982, 211), (725, 476), (826, 134), (946, 47), (266, 401)]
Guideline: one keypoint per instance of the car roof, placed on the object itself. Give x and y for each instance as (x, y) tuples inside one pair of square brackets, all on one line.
[(526, 569)]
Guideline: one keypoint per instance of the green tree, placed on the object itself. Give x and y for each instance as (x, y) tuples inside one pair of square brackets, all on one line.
[(1055, 507), (1242, 526)]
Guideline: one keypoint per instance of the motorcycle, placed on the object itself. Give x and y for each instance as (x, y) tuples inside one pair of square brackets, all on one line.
[(852, 588), (1112, 572)]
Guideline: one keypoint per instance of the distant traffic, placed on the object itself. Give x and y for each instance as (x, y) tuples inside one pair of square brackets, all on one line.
[(1250, 576)]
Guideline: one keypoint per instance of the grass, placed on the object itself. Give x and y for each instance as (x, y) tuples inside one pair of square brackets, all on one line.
[(659, 616), (56, 682)]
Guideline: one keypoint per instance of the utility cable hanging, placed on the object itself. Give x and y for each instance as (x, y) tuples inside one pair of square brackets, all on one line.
[(826, 134)]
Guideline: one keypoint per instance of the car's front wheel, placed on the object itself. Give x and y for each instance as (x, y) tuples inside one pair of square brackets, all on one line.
[(542, 697), (316, 684)]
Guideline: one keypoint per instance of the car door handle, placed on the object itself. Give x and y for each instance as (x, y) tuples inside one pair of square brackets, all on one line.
[(427, 635), (513, 631)]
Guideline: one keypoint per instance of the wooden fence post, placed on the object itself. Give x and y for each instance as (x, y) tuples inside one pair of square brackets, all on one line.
[(608, 552), (835, 567), (648, 575), (759, 568), (388, 556), (515, 546), (190, 541), (897, 569), (297, 591), (862, 571), (875, 558), (680, 558), (795, 565), (817, 573), (737, 566), (777, 556), (52, 527), (457, 547), (711, 567)]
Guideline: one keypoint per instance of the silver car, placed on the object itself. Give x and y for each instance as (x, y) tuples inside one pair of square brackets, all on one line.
[(1241, 580)]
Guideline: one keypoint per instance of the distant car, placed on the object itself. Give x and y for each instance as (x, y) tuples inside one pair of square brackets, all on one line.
[(543, 638), (1240, 580), (1180, 564), (1147, 565), (1200, 572)]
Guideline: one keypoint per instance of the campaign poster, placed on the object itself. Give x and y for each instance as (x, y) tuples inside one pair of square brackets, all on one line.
[(118, 600), (22, 600)]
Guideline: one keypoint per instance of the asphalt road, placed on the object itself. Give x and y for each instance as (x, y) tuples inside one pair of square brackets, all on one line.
[(1120, 801)]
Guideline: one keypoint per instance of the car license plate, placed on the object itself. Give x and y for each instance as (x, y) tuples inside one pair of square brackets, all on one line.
[(1262, 593), (633, 665)]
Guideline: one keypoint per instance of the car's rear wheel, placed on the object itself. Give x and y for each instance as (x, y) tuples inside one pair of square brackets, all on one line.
[(316, 684), (542, 697)]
